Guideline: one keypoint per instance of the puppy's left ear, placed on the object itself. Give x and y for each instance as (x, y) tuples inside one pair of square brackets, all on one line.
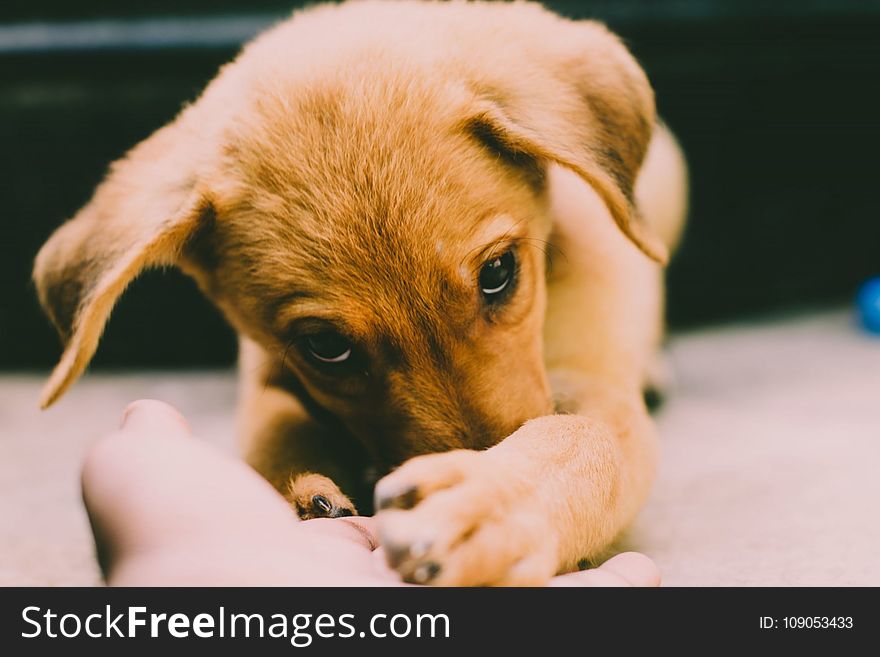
[(582, 101)]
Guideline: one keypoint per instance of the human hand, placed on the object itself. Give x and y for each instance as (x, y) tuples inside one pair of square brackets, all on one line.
[(169, 510)]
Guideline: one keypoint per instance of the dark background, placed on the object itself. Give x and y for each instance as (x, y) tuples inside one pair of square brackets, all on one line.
[(775, 104)]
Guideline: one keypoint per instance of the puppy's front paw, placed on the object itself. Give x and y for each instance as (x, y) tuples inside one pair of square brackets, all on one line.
[(462, 518), (316, 496)]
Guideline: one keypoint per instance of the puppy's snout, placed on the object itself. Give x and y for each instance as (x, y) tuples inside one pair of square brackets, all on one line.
[(473, 403), (481, 433), (482, 437), (435, 437)]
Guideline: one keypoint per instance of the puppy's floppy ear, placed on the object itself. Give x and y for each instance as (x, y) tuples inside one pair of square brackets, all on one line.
[(150, 203), (582, 101)]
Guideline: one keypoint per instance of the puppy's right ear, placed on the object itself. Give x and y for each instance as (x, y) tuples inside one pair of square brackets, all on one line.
[(577, 98), (143, 213)]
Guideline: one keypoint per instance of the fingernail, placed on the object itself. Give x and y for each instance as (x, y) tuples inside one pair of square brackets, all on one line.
[(152, 412)]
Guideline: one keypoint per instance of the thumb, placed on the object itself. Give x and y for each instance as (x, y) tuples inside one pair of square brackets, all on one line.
[(116, 467), (149, 416), (149, 486)]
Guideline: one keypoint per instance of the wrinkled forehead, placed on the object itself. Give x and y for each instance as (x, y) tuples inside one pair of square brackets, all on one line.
[(385, 269)]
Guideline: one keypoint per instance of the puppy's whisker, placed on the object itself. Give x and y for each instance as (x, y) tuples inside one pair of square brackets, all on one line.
[(286, 351), (545, 243), (279, 365)]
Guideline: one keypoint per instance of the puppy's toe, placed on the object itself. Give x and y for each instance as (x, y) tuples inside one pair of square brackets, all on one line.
[(316, 496), (482, 551), (421, 476)]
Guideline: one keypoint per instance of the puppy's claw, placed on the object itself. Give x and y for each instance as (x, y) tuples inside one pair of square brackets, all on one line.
[(402, 499), (321, 505), (323, 508)]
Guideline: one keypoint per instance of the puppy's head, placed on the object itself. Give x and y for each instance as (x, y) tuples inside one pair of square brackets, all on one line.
[(377, 222)]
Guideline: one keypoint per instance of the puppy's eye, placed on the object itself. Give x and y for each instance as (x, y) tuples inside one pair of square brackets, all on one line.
[(496, 276), (328, 347)]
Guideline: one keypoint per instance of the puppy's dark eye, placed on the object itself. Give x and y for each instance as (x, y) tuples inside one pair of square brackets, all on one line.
[(328, 347), (496, 276)]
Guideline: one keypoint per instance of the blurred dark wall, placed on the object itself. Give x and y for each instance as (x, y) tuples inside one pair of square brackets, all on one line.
[(777, 113)]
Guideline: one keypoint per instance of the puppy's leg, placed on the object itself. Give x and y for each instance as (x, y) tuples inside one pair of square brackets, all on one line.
[(554, 493), (308, 463)]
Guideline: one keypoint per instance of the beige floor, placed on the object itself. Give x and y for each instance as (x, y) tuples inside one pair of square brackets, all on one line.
[(770, 473)]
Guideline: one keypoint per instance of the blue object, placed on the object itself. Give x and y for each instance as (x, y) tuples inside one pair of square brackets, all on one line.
[(868, 303)]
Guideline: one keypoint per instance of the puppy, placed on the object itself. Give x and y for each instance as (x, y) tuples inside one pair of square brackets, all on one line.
[(438, 229)]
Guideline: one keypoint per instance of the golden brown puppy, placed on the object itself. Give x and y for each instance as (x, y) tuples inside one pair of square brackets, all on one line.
[(437, 229)]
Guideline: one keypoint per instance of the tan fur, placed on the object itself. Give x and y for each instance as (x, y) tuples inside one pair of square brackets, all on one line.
[(355, 167)]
